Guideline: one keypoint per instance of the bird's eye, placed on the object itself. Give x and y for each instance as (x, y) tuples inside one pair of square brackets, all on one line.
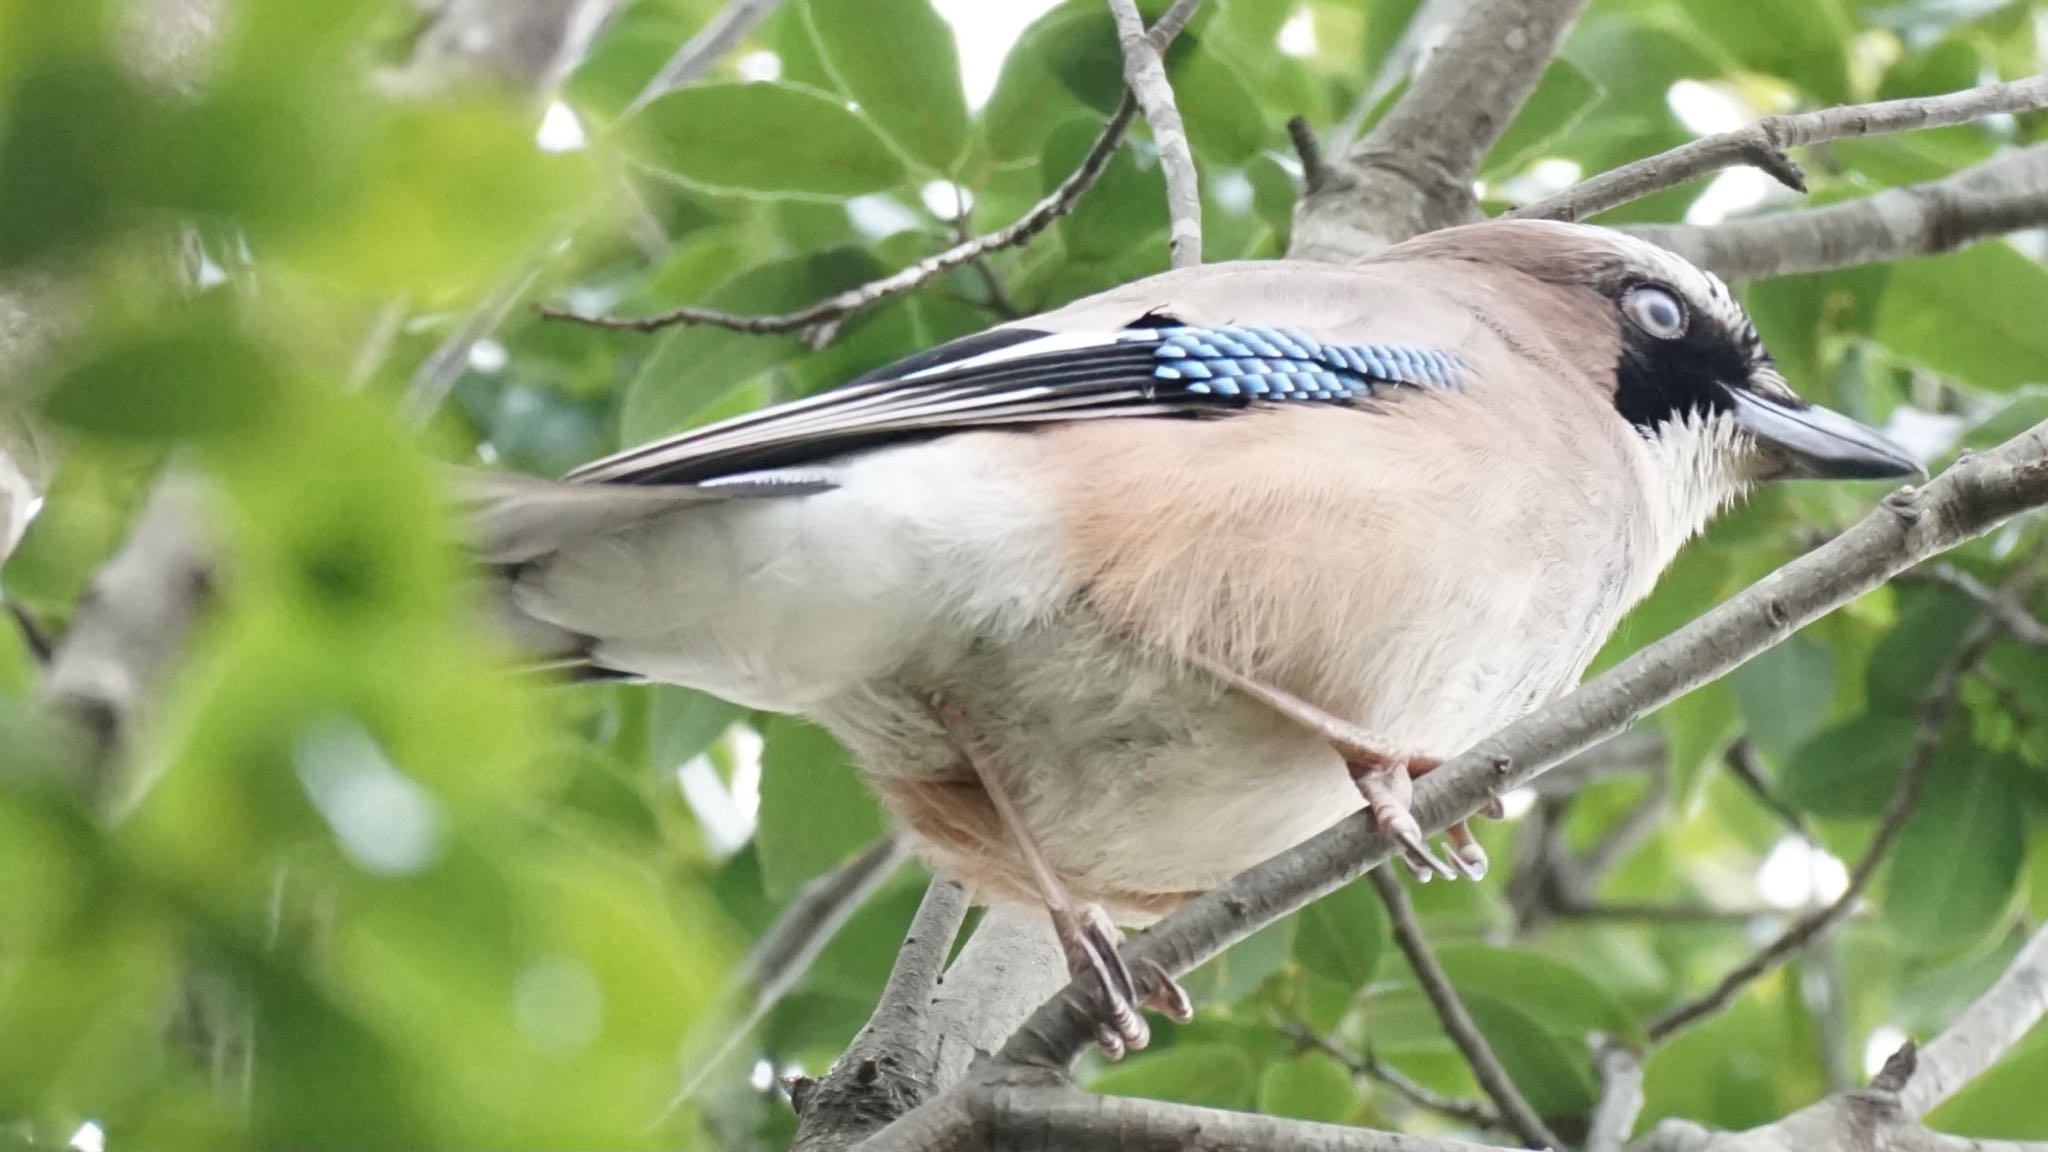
[(1655, 310)]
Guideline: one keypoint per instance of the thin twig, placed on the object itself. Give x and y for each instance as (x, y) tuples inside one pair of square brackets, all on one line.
[(702, 52), (1145, 77), (1740, 760), (1934, 715), (1458, 1023), (1661, 913), (2003, 606), (1470, 1113), (33, 634), (785, 952), (1316, 173), (1983, 1032), (1763, 144), (832, 309)]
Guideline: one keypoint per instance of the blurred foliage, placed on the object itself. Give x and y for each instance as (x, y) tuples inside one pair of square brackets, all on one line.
[(368, 888)]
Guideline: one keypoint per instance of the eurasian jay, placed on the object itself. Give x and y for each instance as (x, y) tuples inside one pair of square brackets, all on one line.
[(1116, 601)]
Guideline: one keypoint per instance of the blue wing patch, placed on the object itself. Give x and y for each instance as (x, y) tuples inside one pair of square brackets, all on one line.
[(1017, 377), (1280, 364)]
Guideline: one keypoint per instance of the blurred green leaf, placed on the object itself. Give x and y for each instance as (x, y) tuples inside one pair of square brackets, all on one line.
[(1341, 936), (907, 80), (2005, 1102), (1785, 694), (1562, 96), (1556, 995), (772, 138), (815, 812), (1214, 1075), (1952, 874), (1850, 769), (1967, 314), (199, 380), (1311, 1086)]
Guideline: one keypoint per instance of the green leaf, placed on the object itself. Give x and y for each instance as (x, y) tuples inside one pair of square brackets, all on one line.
[(773, 138), (1805, 42), (1127, 204), (1969, 314), (1852, 768), (2005, 1102), (1226, 123), (1551, 1070), (1556, 995), (1906, 663), (1214, 1075), (1311, 1086), (683, 722), (1698, 727), (1785, 694), (1561, 97), (906, 79), (1957, 861), (694, 368), (815, 812), (1341, 936), (1243, 967), (200, 381)]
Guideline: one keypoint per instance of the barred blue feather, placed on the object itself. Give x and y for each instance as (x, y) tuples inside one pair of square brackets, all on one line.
[(1009, 377)]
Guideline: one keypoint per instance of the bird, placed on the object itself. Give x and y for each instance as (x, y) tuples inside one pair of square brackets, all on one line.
[(1113, 602)]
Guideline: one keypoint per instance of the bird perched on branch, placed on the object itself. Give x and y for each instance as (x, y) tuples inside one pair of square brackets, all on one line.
[(1116, 601)]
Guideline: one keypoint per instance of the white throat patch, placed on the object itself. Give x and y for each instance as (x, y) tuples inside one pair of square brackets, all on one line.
[(1698, 466)]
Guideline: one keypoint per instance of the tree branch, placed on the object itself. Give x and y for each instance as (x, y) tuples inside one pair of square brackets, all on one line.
[(1009, 966), (1145, 79), (833, 309), (1621, 1097), (1763, 144), (1858, 1121), (131, 625), (2001, 195), (1413, 172), (702, 52), (787, 948), (1991, 1025), (1458, 1023), (1470, 1113), (886, 1071), (1057, 1119), (1971, 498), (1934, 715)]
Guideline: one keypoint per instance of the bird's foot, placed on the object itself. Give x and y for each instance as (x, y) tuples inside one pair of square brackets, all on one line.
[(1387, 783), (1384, 776), (1093, 946)]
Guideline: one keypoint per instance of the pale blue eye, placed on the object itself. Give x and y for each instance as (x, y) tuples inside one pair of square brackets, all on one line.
[(1655, 310)]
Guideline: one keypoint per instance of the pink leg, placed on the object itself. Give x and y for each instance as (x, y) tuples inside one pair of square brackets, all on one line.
[(1087, 935), (1384, 776)]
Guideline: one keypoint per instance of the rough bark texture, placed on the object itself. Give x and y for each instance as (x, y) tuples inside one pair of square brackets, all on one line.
[(1413, 172)]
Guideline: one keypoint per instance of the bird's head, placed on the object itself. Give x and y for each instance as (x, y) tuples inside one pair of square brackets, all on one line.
[(1689, 373)]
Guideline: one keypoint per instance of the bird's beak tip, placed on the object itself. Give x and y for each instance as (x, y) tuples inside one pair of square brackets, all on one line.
[(1820, 443)]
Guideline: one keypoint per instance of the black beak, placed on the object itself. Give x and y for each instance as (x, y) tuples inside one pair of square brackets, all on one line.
[(1812, 441)]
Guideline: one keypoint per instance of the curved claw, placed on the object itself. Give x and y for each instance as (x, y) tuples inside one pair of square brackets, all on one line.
[(1167, 997), (1090, 941), (1466, 852)]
